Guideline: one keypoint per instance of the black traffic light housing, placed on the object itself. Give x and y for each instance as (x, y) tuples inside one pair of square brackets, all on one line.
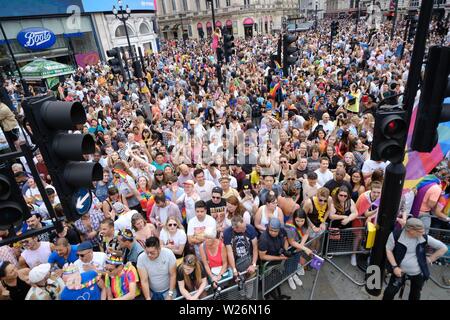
[(63, 152), (228, 46), (413, 21), (13, 209), (390, 133), (290, 49), (334, 28), (116, 63), (436, 87)]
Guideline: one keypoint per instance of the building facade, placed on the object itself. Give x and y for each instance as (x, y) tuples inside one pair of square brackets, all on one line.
[(81, 31), (245, 18)]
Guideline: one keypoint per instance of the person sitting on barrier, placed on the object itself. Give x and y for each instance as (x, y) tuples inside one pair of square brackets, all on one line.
[(214, 256), (191, 276), (273, 248), (242, 246), (297, 234), (406, 254)]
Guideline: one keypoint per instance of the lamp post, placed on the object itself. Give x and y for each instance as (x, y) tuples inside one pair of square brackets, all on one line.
[(123, 16), (182, 29), (394, 20), (317, 9), (357, 17), (212, 13)]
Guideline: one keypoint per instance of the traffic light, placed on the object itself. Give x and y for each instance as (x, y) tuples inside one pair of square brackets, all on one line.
[(13, 209), (436, 87), (334, 28), (64, 152), (228, 46), (289, 52), (390, 133), (138, 73), (413, 21), (116, 62)]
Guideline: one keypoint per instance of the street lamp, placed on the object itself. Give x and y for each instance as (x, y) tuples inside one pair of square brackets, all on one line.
[(212, 13), (182, 29), (317, 8), (123, 16)]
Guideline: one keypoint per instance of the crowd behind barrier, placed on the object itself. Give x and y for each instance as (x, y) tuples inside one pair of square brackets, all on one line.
[(227, 182)]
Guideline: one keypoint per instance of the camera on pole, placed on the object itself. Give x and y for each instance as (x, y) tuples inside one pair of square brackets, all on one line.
[(290, 55), (116, 62), (64, 152), (436, 87), (13, 209)]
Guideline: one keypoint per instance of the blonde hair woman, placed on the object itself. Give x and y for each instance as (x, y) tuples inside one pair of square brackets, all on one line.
[(173, 236)]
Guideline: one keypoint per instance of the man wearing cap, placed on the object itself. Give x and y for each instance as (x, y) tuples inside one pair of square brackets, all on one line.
[(271, 247), (130, 248), (45, 285), (88, 259), (406, 251)]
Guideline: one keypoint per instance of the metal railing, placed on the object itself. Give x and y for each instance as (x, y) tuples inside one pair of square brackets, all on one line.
[(444, 236)]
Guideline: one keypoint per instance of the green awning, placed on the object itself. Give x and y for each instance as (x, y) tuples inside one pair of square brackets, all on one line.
[(43, 69)]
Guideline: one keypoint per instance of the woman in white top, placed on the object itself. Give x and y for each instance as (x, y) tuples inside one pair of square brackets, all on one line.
[(36, 252), (173, 236), (234, 207), (267, 211), (249, 198)]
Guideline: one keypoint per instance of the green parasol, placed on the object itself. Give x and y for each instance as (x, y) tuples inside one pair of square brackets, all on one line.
[(43, 69)]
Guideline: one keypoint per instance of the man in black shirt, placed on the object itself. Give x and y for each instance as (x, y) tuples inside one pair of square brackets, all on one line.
[(338, 181), (271, 245), (217, 204)]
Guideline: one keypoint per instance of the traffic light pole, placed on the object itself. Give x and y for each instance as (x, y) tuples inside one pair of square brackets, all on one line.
[(395, 172), (405, 38), (394, 21)]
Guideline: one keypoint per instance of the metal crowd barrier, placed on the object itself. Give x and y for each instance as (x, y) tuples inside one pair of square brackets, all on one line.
[(248, 290), (274, 275), (444, 236)]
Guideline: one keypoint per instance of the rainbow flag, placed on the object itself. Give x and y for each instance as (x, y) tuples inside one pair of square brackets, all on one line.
[(121, 173), (419, 164), (273, 89)]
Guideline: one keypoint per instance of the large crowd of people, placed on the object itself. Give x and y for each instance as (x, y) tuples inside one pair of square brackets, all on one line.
[(207, 175)]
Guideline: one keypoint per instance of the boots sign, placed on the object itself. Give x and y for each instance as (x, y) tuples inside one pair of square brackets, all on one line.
[(36, 38)]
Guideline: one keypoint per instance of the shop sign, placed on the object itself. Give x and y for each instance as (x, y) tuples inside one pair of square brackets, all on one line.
[(36, 38)]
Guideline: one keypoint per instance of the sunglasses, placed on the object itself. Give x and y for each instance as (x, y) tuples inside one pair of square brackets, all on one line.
[(322, 200), (216, 197), (342, 195), (81, 255), (172, 225), (159, 174), (291, 179), (283, 162)]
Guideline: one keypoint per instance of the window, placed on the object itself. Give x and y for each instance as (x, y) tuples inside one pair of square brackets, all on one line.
[(174, 5), (246, 3), (197, 3), (144, 29), (120, 32), (217, 3), (228, 3), (185, 5), (163, 2)]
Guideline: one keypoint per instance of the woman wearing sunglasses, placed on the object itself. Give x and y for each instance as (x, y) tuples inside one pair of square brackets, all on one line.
[(191, 276), (173, 236), (345, 209)]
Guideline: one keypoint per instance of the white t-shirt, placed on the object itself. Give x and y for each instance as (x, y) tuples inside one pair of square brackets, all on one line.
[(196, 227), (189, 204), (178, 239), (98, 260), (323, 178), (370, 166), (124, 221), (39, 256), (205, 191), (32, 192)]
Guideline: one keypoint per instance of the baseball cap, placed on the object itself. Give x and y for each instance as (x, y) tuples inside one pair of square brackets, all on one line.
[(126, 234), (414, 223), (118, 207), (217, 190), (246, 184), (86, 245), (39, 272), (274, 223)]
